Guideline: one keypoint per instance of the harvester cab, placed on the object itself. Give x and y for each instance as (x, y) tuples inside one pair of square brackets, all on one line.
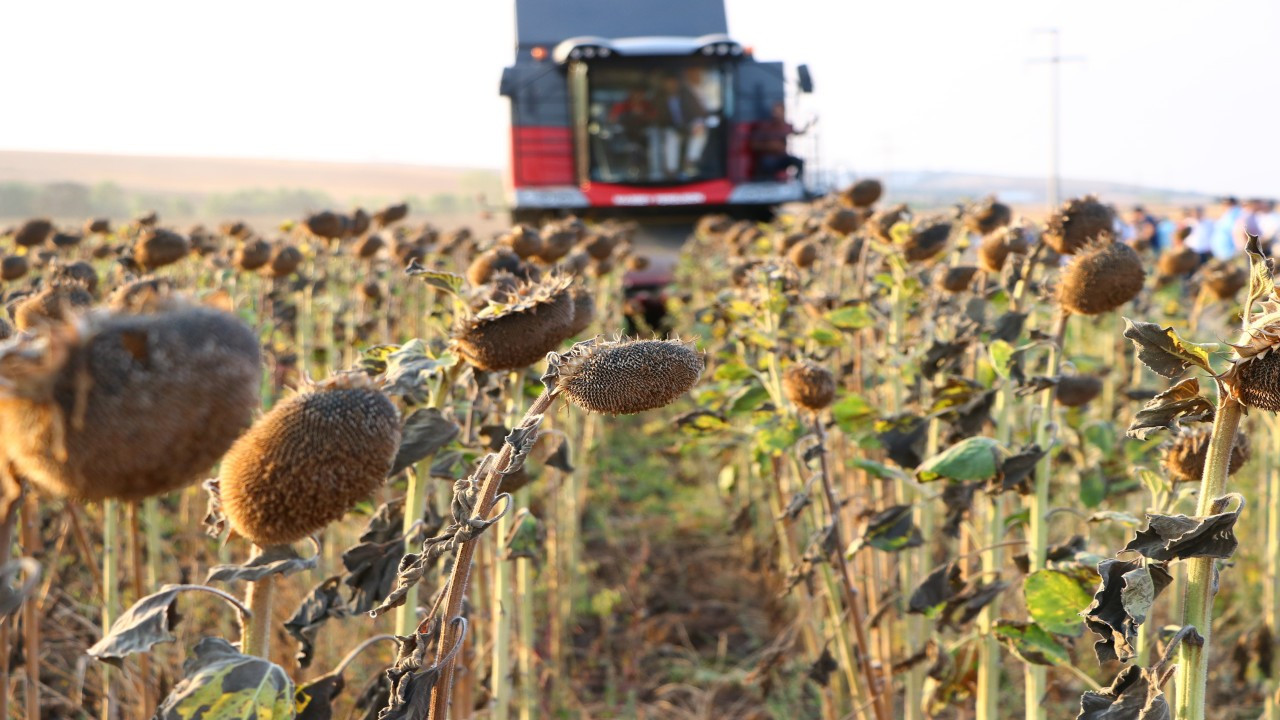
[(635, 109)]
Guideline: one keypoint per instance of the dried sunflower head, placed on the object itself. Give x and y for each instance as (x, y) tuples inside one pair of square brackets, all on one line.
[(1077, 223), (622, 377), (1185, 456), (309, 460), (1102, 276), (1254, 377), (118, 405), (518, 332), (809, 385)]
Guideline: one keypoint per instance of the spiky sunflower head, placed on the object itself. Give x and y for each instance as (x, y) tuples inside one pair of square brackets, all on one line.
[(1101, 277), (809, 385), (622, 377), (1185, 454), (530, 322), (1077, 223)]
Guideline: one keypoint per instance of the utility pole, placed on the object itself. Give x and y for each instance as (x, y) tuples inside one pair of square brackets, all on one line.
[(1053, 194)]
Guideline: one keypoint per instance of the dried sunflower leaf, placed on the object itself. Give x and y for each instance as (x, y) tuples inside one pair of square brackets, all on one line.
[(147, 623), (1178, 537), (958, 499), (276, 560), (963, 607), (821, 669), (1261, 277), (1168, 410), (424, 432), (322, 604), (890, 530), (222, 683), (903, 439), (314, 701), (938, 588), (1125, 593), (1162, 350), (1015, 471), (1134, 694)]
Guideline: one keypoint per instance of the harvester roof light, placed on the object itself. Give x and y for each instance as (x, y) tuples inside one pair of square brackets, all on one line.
[(605, 52), (589, 52), (736, 50), (722, 49), (539, 53), (575, 53), (708, 50)]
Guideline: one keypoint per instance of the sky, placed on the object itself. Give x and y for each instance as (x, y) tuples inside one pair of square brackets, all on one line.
[(1171, 94)]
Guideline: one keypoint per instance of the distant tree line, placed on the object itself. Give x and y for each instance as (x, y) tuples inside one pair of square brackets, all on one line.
[(107, 199)]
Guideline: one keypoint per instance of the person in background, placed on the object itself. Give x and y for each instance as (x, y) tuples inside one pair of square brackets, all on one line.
[(634, 117), (1143, 233), (1199, 232), (1223, 244), (769, 145), (680, 116)]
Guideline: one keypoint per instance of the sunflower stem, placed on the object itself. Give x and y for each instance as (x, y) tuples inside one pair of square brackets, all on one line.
[(460, 575), (255, 634), (1038, 508), (1197, 612)]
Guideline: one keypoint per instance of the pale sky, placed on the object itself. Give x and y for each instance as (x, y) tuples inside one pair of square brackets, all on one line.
[(1175, 94)]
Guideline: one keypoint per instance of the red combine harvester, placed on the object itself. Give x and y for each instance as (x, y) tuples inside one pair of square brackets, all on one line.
[(639, 109)]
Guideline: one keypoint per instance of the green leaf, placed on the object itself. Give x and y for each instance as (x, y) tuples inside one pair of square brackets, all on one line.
[(1001, 356), (975, 458), (850, 317), (825, 337), (750, 398), (1162, 350), (1102, 435), (222, 684), (778, 438), (1093, 488), (1032, 643), (732, 370), (1054, 601), (880, 471), (849, 409)]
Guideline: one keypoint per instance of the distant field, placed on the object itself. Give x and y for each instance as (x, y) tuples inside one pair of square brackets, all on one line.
[(71, 186), (206, 175)]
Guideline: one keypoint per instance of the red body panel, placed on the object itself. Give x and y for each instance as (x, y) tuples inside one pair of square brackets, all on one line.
[(541, 156)]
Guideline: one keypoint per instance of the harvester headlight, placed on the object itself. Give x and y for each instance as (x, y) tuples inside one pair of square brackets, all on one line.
[(708, 50), (605, 52), (589, 52), (722, 49), (575, 53)]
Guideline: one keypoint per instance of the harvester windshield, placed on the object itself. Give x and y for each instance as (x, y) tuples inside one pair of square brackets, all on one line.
[(643, 123)]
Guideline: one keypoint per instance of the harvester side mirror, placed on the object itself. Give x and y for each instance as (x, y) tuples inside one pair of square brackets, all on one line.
[(804, 79)]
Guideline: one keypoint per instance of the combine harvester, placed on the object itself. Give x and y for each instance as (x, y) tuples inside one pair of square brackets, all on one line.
[(642, 110)]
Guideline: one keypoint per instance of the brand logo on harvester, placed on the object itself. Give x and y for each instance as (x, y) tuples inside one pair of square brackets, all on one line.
[(677, 198)]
